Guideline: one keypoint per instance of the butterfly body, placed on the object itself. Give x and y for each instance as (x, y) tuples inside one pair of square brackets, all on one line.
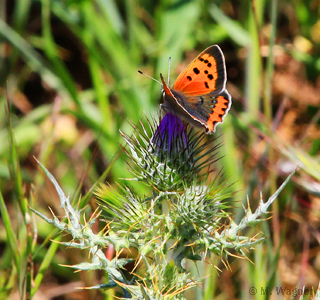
[(199, 95)]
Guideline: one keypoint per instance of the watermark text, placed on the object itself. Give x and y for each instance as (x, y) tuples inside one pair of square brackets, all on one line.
[(279, 291)]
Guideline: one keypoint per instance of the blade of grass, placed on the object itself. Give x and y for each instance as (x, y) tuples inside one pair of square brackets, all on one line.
[(49, 257), (122, 66), (24, 275), (236, 32), (131, 13), (172, 37), (259, 272), (253, 61), (300, 158), (111, 11), (267, 104), (211, 274), (109, 48), (51, 51), (14, 166), (3, 51), (20, 16), (11, 237), (32, 58), (230, 161), (102, 95)]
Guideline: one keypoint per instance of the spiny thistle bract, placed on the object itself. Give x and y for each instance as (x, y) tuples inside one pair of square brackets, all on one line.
[(173, 156), (180, 221)]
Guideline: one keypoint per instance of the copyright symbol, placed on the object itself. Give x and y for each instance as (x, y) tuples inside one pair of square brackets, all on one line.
[(252, 291)]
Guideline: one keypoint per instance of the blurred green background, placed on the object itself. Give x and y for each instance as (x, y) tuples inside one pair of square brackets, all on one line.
[(69, 72)]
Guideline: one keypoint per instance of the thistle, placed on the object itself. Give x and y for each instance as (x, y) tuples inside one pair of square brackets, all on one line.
[(180, 221), (172, 156)]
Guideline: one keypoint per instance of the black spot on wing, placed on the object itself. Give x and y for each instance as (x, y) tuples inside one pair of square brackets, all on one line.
[(209, 65), (210, 76), (206, 72), (196, 71), (189, 78), (206, 84)]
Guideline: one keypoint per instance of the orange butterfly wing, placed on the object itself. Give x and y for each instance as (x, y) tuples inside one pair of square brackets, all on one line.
[(205, 74)]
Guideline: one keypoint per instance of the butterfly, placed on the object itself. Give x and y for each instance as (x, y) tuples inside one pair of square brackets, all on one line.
[(199, 94)]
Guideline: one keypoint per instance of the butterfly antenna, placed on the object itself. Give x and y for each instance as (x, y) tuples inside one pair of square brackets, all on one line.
[(149, 77), (169, 70)]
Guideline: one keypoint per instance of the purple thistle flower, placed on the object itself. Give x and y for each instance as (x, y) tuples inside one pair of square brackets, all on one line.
[(170, 137)]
